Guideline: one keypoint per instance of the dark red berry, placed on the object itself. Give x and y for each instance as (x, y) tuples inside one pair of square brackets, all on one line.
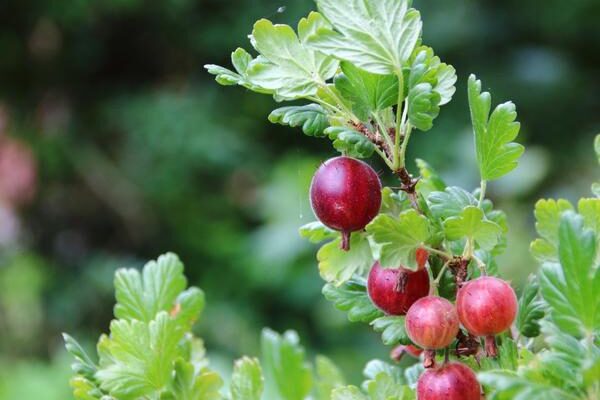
[(394, 290), (432, 322), (451, 381), (487, 306), (345, 195)]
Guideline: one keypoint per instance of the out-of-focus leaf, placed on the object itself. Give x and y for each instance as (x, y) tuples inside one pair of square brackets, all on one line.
[(570, 287), (134, 371), (246, 380), (142, 296), (547, 216), (287, 375), (83, 364), (316, 232), (430, 180), (328, 377), (531, 309)]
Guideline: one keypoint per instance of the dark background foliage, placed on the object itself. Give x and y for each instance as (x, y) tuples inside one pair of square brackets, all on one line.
[(116, 146)]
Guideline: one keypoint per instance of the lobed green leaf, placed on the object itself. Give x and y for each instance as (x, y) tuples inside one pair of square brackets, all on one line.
[(497, 154), (352, 297), (311, 117)]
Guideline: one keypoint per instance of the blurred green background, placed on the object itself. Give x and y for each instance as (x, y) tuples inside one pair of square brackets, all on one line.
[(116, 146)]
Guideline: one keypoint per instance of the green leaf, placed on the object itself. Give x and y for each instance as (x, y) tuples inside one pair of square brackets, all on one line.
[(376, 367), (377, 36), (383, 387), (316, 232), (497, 155), (399, 238), (393, 203), (350, 142), (186, 385), (392, 330), (450, 203), (142, 296), (547, 215), (188, 307), (515, 387), (430, 180), (293, 71), (531, 309), (287, 374), (348, 393), (352, 297), (329, 377), (84, 389), (471, 224), (311, 117), (246, 380), (134, 371), (83, 364), (426, 67), (423, 106), (589, 209), (242, 62), (569, 287), (507, 359), (337, 266), (368, 93)]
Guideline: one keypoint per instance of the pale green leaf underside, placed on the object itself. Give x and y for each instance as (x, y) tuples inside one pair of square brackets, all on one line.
[(311, 117), (377, 36)]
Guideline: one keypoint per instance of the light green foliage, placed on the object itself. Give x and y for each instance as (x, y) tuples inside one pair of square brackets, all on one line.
[(337, 265), (316, 232), (247, 380), (292, 70), (142, 296), (547, 216), (497, 154), (472, 225), (286, 370), (369, 93), (328, 377), (380, 48), (383, 382), (392, 330), (311, 117), (531, 309), (430, 180), (393, 203), (352, 297), (399, 238), (350, 142)]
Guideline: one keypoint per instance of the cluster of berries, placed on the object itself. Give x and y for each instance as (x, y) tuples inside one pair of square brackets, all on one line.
[(345, 196)]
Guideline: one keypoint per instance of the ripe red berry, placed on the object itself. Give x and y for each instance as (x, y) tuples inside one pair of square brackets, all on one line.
[(451, 381), (345, 195), (432, 322), (487, 306), (394, 290)]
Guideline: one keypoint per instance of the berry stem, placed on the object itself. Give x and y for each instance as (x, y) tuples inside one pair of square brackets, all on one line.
[(429, 358), (490, 346), (482, 192), (345, 245), (436, 282)]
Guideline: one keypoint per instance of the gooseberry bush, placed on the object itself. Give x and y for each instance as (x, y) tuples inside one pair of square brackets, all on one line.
[(415, 261)]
